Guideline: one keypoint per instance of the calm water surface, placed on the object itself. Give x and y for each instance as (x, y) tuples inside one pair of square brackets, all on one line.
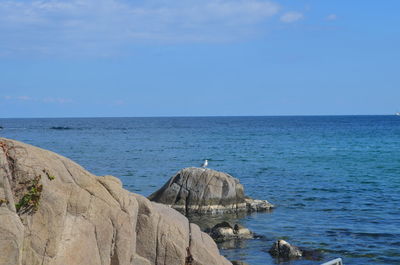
[(335, 180)]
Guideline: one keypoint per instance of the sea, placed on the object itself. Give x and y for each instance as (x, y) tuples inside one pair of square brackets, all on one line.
[(335, 180)]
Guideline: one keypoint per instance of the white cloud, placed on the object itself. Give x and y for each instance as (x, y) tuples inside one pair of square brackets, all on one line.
[(290, 17), (56, 100), (48, 26), (331, 17)]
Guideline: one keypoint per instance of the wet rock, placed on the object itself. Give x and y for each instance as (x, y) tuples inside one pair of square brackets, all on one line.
[(285, 251), (282, 249), (199, 190), (257, 205), (225, 231)]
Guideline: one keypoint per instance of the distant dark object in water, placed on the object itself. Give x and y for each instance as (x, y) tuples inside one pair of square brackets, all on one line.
[(238, 262), (60, 128), (1, 128)]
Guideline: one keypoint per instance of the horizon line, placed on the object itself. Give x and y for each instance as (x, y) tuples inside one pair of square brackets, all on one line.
[(200, 116)]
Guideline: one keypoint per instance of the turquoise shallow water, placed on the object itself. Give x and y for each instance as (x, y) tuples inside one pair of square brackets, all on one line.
[(334, 179)]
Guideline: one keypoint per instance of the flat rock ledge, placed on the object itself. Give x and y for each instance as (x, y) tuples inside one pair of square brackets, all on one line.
[(201, 190), (54, 212)]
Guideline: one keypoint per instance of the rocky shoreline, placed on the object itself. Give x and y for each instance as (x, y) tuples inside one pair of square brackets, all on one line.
[(54, 212)]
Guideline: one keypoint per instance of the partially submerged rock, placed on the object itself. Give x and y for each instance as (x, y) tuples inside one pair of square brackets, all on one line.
[(285, 251), (199, 190), (65, 215), (225, 231)]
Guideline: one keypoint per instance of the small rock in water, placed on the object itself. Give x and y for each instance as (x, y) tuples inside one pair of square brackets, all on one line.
[(282, 249), (225, 231), (258, 205), (285, 251)]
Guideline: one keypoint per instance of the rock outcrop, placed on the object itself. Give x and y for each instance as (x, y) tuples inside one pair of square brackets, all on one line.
[(53, 212), (200, 190)]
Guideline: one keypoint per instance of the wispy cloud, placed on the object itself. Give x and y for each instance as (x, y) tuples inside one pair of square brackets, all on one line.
[(331, 17), (48, 26), (24, 98), (290, 17)]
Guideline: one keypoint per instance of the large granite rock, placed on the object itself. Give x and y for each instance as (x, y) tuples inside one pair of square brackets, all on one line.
[(200, 190), (53, 212)]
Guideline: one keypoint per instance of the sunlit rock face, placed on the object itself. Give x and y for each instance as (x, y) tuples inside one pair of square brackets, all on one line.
[(54, 212)]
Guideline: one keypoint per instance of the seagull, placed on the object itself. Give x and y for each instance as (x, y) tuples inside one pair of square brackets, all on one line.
[(205, 164)]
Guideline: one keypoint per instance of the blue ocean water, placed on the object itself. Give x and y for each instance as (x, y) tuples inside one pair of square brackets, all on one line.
[(334, 179)]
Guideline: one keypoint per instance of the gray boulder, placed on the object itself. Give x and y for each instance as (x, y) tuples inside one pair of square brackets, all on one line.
[(54, 212), (199, 190)]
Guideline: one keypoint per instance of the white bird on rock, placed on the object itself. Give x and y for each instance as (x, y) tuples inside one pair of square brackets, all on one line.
[(205, 164)]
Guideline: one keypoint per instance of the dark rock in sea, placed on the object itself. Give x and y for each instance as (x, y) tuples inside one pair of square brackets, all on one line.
[(238, 262), (282, 249), (199, 190), (60, 128), (1, 128), (225, 231), (285, 251)]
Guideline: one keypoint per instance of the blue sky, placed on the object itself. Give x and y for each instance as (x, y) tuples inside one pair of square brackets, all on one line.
[(96, 58)]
